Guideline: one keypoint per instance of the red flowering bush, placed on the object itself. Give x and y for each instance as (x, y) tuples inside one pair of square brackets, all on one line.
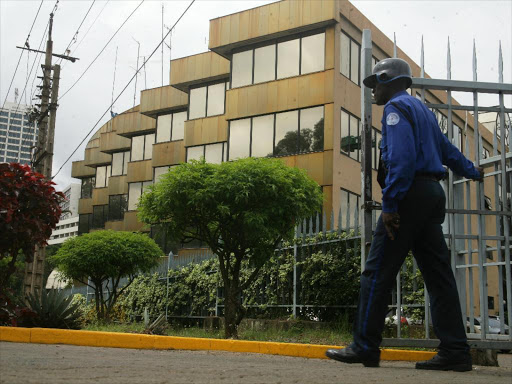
[(29, 211)]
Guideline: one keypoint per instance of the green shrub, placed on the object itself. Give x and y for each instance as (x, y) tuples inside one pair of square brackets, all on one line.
[(54, 310)]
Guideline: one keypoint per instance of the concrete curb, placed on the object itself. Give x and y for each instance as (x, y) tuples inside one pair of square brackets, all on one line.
[(138, 341)]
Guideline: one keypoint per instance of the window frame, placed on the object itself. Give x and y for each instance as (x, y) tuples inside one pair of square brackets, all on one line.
[(358, 159), (144, 158), (275, 42), (298, 152), (207, 85), (224, 150), (349, 213), (352, 40)]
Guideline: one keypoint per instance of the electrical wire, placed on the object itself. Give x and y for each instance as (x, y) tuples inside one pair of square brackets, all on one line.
[(108, 42), (35, 58), (77, 30), (21, 54), (124, 89)]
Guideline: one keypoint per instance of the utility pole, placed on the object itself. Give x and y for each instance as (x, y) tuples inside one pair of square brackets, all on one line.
[(43, 154)]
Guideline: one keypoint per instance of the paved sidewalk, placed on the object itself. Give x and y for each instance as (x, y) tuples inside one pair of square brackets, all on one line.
[(39, 363)]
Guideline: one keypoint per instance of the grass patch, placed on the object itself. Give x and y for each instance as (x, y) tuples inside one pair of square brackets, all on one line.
[(336, 335)]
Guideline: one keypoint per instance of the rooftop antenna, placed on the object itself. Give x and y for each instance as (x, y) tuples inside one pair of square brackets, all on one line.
[(162, 44), (136, 71), (113, 83), (394, 46)]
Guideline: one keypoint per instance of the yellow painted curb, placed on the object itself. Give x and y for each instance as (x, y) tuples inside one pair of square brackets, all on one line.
[(138, 341)]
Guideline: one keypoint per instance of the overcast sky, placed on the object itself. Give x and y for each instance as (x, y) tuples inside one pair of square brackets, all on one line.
[(487, 22)]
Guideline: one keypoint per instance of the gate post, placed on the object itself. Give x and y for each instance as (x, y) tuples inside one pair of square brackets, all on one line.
[(366, 147)]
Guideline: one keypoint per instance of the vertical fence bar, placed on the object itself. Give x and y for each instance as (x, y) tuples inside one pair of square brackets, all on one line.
[(366, 161), (295, 273), (504, 194), (167, 291), (479, 198), (470, 249)]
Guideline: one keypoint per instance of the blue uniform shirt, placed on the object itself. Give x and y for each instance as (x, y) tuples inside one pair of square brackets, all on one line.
[(409, 150)]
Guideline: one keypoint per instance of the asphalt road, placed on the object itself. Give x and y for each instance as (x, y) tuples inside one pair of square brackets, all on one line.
[(38, 363)]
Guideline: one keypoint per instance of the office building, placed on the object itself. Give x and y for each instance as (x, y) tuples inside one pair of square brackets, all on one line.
[(17, 135)]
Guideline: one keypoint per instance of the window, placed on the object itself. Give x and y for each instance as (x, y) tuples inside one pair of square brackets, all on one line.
[(14, 128), (207, 101), (13, 134), (279, 60), (86, 188), (142, 147), (279, 134), (349, 203), (102, 176), (212, 153), (170, 127), (485, 153), (99, 216), (288, 54), (239, 139), (263, 136), (349, 58), (134, 193), (159, 171), (117, 206), (350, 135), (27, 137), (313, 53), (241, 72), (490, 302), (13, 154), (25, 156), (13, 147), (3, 120), (120, 163), (264, 64)]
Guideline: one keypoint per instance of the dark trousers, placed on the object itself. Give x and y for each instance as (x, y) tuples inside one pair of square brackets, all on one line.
[(421, 212)]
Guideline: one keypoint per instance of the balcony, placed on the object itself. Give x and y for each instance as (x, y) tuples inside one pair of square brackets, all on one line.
[(111, 142), (79, 170), (170, 153), (197, 69), (269, 22), (163, 99), (139, 171), (94, 157), (130, 124), (282, 95), (207, 130)]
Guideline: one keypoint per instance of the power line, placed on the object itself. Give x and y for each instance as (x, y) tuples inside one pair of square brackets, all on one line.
[(124, 89), (77, 30), (108, 42), (21, 54), (35, 58), (85, 35)]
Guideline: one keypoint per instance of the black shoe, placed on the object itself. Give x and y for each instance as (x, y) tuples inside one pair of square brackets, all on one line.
[(348, 355), (440, 363)]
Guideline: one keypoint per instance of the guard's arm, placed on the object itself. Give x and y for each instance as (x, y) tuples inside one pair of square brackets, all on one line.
[(456, 161), (400, 158)]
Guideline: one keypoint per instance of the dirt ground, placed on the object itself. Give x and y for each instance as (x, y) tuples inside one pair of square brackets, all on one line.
[(38, 363)]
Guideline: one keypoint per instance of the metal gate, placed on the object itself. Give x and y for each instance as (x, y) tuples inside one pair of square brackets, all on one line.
[(477, 231)]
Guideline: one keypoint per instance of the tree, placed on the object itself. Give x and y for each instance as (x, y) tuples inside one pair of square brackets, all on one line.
[(103, 257), (241, 209), (29, 212)]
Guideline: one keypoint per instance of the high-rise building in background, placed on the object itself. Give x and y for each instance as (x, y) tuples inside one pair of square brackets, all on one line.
[(68, 223), (17, 135)]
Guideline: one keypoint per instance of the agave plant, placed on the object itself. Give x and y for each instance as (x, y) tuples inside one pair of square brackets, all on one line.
[(54, 310)]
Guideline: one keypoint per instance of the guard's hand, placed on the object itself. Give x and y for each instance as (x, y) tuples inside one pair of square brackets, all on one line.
[(481, 170), (391, 223)]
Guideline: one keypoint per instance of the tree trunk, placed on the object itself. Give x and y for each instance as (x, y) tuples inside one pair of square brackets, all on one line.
[(233, 311)]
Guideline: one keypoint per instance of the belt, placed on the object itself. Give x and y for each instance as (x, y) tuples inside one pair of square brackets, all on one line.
[(430, 176)]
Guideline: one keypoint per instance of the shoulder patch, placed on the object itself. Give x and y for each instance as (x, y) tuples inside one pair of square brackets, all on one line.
[(392, 119)]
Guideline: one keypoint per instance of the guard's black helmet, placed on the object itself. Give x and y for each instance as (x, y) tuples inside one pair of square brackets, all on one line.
[(388, 70)]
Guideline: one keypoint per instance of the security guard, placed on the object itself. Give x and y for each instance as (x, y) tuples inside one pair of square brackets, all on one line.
[(413, 152)]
